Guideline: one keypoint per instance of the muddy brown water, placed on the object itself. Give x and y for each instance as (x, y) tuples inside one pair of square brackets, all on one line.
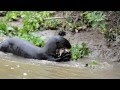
[(14, 67)]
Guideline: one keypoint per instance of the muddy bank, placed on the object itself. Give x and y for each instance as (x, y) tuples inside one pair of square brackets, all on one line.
[(94, 39)]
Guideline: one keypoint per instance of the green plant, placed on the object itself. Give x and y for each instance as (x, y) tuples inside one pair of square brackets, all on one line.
[(95, 16), (96, 19), (5, 29), (31, 24), (34, 21), (25, 14), (12, 16), (33, 38), (80, 51), (51, 24), (46, 14)]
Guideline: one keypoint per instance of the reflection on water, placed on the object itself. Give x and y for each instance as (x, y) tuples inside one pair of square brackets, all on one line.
[(20, 68)]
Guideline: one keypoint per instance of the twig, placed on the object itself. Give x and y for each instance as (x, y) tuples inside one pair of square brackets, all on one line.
[(59, 17), (76, 18)]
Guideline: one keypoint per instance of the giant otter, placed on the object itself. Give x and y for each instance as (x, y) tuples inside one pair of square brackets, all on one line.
[(26, 49)]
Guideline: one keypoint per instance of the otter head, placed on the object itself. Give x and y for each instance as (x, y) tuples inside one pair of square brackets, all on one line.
[(56, 43), (62, 43)]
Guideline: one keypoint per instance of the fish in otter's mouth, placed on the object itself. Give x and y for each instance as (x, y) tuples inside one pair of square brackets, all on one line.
[(61, 51)]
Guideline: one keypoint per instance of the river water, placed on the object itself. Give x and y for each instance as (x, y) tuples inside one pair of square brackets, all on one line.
[(14, 67)]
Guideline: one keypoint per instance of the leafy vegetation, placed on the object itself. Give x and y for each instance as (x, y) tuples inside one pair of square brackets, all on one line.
[(80, 51), (31, 23), (52, 24), (36, 20), (6, 29), (96, 19), (12, 16), (33, 38)]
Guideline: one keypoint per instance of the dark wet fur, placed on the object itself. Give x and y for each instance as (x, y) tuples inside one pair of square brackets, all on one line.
[(26, 49)]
